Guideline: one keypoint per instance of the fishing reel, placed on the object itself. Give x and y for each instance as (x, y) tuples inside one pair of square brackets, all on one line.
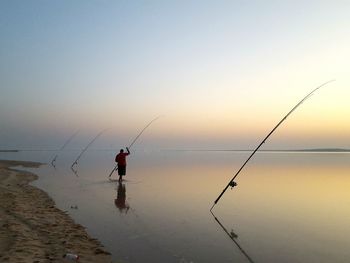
[(232, 184)]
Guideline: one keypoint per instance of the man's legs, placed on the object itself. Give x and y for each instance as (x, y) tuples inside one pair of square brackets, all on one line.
[(121, 171)]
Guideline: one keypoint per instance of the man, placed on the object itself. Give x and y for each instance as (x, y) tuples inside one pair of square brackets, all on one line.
[(121, 160)]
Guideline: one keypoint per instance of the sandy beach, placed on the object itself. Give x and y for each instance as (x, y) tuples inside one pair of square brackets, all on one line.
[(33, 229)]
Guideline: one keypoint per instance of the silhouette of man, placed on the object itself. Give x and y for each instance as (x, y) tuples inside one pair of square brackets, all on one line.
[(120, 202), (121, 160)]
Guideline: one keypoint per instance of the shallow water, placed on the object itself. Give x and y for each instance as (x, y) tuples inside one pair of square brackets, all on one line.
[(287, 207)]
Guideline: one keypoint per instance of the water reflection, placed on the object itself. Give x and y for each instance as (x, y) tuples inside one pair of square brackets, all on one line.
[(233, 236), (53, 162), (171, 192), (120, 201), (74, 171)]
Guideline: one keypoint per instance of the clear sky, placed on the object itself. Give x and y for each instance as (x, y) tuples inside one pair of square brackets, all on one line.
[(222, 73)]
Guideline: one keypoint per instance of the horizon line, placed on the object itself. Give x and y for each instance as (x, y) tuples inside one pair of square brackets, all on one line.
[(338, 150)]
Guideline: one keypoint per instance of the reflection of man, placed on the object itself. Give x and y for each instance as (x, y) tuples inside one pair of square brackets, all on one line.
[(121, 160), (120, 202)]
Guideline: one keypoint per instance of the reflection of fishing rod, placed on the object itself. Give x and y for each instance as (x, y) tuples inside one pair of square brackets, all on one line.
[(232, 183), (87, 146), (233, 237), (64, 145), (74, 171), (132, 143)]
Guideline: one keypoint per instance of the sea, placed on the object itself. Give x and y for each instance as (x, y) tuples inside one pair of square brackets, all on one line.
[(286, 207)]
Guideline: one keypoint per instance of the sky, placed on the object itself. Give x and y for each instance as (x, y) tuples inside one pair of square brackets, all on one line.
[(220, 73)]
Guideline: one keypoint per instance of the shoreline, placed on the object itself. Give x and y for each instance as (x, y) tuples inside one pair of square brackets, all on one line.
[(33, 229)]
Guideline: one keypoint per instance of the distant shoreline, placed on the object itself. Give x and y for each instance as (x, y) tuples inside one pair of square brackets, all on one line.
[(320, 150), (313, 150)]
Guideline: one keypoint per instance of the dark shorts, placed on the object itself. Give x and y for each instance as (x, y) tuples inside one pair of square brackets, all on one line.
[(121, 169)]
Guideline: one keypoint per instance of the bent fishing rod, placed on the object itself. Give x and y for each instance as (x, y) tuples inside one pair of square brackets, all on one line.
[(64, 145), (231, 182), (133, 142), (87, 146)]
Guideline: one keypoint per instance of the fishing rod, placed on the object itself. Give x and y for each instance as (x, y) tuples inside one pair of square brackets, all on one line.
[(132, 143), (232, 183), (87, 146), (64, 145)]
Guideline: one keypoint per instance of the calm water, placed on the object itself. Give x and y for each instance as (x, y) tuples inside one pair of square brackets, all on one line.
[(288, 207)]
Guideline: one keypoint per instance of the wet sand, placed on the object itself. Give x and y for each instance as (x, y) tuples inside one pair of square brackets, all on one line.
[(32, 229)]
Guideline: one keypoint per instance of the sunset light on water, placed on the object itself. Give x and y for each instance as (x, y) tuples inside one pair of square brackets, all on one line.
[(82, 80)]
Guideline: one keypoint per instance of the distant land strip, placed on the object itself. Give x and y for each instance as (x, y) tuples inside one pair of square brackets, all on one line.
[(316, 150)]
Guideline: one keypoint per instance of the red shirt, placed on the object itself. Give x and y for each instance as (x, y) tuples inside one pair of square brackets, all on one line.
[(121, 158)]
